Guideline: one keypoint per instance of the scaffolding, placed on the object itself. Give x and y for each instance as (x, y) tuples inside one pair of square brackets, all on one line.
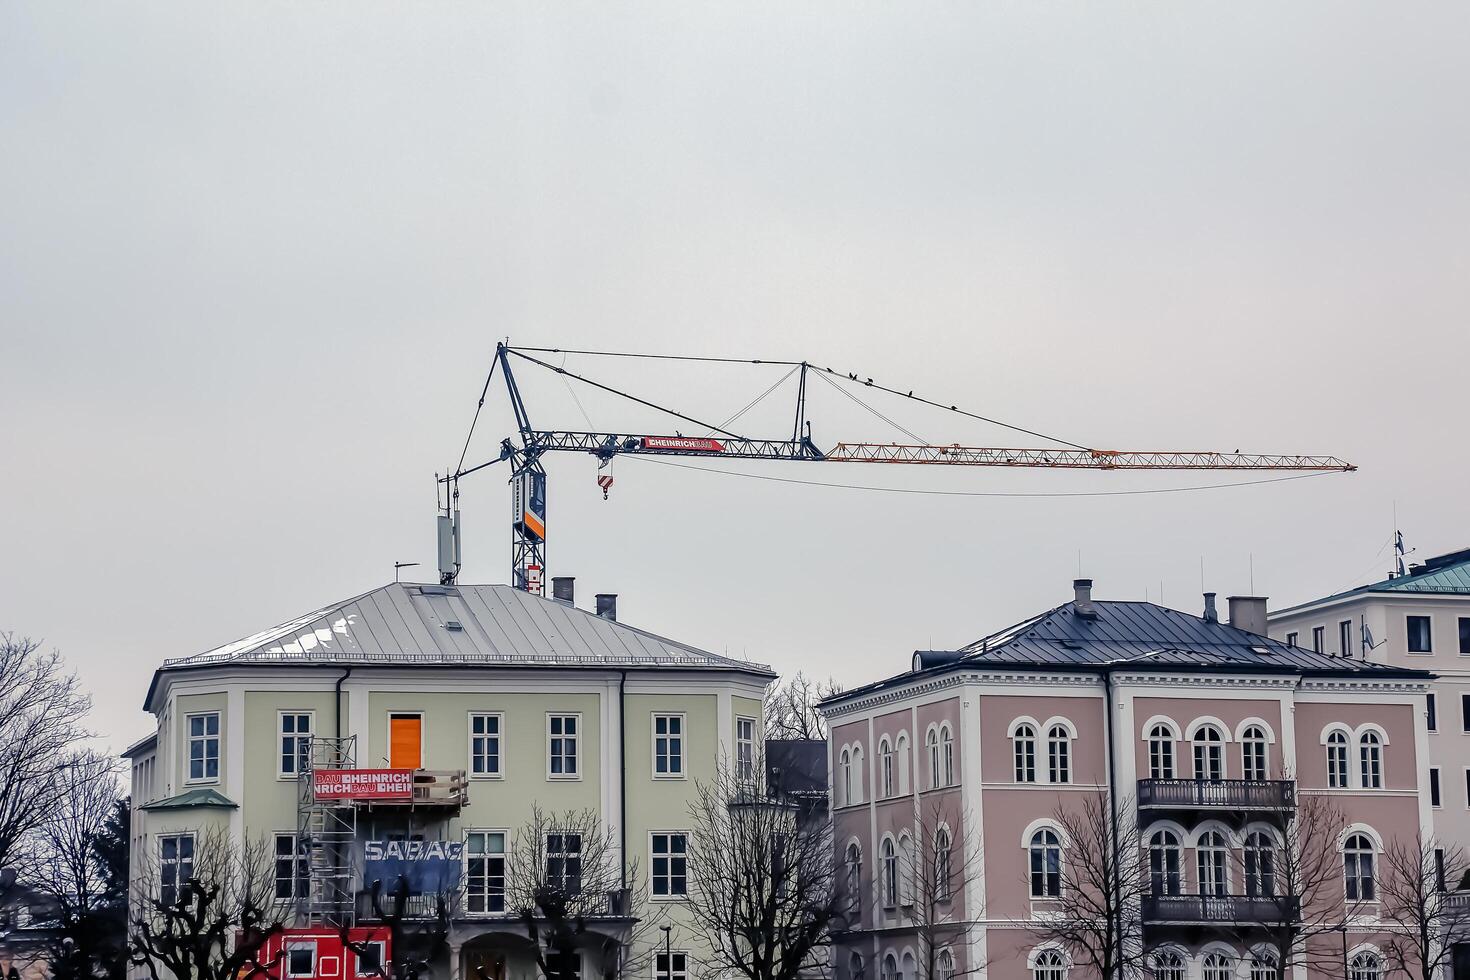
[(327, 836)]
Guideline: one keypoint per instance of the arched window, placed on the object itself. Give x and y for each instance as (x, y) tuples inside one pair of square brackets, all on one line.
[(889, 883), (906, 870), (1059, 755), (1168, 965), (901, 750), (944, 966), (1212, 855), (857, 775), (1160, 752), (855, 965), (844, 783), (1025, 743), (885, 767), (1366, 966), (1337, 760), (1253, 753), (890, 967), (1263, 966), (910, 968), (1046, 864), (1260, 865), (1163, 863), (1217, 967), (1209, 753), (1049, 966), (942, 863), (855, 878), (933, 741), (946, 750), (1370, 760), (1357, 868)]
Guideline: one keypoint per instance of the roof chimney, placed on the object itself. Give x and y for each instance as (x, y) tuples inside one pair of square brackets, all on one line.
[(607, 605), (1082, 598), (1211, 616), (563, 589), (1248, 612)]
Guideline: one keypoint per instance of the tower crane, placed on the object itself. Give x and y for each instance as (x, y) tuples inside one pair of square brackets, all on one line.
[(523, 453)]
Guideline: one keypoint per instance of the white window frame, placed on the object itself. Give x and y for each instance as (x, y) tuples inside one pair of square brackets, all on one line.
[(291, 947), (745, 748), (576, 745), (1023, 754), (670, 896), (886, 780), (181, 880), (679, 741), (382, 959), (282, 735), (946, 753), (300, 868), (1436, 787), (190, 738), (1429, 620), (499, 738), (671, 973), (504, 854), (1058, 754)]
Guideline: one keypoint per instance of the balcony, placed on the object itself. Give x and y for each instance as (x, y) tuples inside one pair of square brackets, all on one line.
[(1217, 794), (1219, 909)]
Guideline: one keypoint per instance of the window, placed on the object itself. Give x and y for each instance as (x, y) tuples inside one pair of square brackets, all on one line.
[(1337, 760), (561, 746), (1291, 639), (561, 964), (1211, 856), (370, 960), (295, 754), (1420, 640), (1260, 865), (1253, 753), (1439, 869), (668, 746), (1431, 713), (906, 870), (1467, 787), (885, 768), (745, 749), (1025, 745), (484, 872), (1049, 966), (1317, 632), (1434, 799), (855, 881), (934, 763), (292, 868), (857, 775), (1059, 755), (175, 866), (203, 746), (1160, 752), (1168, 966), (1465, 713), (564, 862), (855, 966), (1263, 966), (1217, 967), (944, 965), (1366, 966), (942, 863), (1163, 864), (946, 752), (670, 865), (672, 965), (844, 787), (301, 960), (901, 749), (1357, 866), (1345, 638), (1209, 753), (890, 967), (1046, 864), (1370, 760), (484, 745), (1464, 634), (890, 873)]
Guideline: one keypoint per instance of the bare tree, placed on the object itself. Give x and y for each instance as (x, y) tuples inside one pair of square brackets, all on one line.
[(417, 931), (791, 709), (933, 872), (566, 875), (1431, 921), (761, 879), (210, 917), (1095, 882), (41, 707)]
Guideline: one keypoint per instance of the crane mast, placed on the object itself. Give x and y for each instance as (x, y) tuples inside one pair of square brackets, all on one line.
[(524, 453)]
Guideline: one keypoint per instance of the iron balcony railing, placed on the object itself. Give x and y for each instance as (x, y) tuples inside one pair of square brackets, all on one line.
[(1216, 909), (1244, 794)]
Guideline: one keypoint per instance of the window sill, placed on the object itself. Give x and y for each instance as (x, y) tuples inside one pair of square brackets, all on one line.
[(212, 781), (489, 775), (553, 777), (663, 776), (668, 899)]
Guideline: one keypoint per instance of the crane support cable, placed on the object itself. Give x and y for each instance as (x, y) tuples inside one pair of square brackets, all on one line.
[(862, 404), (459, 467), (656, 357), (758, 398), (621, 394)]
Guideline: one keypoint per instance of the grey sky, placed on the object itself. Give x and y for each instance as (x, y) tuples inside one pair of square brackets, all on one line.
[(254, 259)]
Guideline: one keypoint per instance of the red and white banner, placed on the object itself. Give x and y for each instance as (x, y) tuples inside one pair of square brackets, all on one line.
[(683, 442), (362, 784)]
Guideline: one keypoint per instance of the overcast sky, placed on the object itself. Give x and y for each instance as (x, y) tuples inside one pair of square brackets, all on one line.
[(254, 259)]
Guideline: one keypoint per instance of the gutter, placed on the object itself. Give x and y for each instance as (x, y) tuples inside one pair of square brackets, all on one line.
[(1107, 679), (623, 775), (337, 703)]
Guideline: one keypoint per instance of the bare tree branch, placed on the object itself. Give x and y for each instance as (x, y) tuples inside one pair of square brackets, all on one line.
[(791, 709), (1413, 896)]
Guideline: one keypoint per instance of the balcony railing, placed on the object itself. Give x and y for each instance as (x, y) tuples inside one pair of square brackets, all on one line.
[(1216, 909), (1242, 794), (417, 907)]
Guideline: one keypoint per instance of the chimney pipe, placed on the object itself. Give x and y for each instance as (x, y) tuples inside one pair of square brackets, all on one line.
[(607, 605), (563, 589), (1248, 612), (1082, 598), (1211, 615)]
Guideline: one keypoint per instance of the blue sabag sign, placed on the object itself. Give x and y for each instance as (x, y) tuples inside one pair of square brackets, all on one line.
[(429, 865)]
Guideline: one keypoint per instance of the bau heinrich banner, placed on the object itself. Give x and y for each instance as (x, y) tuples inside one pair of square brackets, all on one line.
[(429, 865), (362, 784)]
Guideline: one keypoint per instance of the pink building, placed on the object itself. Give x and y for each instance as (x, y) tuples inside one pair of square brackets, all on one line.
[(960, 790)]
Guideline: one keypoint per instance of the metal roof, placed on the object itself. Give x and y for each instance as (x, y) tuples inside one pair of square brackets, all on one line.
[(407, 624), (1447, 574), (208, 798)]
